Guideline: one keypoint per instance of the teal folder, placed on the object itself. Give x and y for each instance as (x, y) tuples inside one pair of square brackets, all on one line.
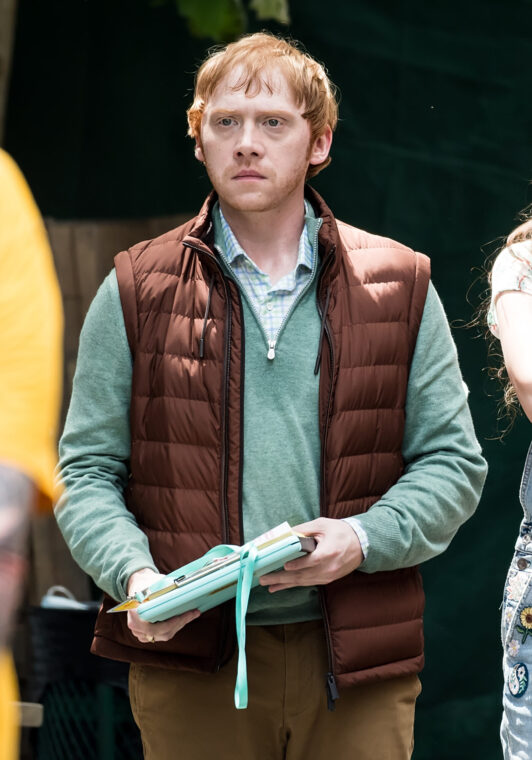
[(223, 573)]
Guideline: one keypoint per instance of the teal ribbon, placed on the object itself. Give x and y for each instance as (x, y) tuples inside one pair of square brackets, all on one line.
[(248, 558), (218, 551)]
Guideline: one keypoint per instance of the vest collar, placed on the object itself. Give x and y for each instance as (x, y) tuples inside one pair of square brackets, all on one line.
[(201, 234)]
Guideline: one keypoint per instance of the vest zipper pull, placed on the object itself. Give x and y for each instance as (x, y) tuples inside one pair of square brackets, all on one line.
[(271, 349), (332, 691)]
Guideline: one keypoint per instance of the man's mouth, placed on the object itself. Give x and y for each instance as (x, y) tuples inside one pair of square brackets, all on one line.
[(249, 174)]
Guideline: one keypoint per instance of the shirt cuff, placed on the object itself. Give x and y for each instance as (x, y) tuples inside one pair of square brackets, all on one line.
[(361, 534)]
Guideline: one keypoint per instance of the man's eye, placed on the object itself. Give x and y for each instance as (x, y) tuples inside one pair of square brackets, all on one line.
[(226, 121), (273, 123)]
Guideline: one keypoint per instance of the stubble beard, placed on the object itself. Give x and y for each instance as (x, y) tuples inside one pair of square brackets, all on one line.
[(275, 193)]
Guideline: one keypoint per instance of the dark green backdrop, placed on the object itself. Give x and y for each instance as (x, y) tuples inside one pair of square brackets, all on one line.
[(433, 149)]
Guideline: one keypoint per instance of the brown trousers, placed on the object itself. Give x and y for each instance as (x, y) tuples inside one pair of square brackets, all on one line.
[(191, 716)]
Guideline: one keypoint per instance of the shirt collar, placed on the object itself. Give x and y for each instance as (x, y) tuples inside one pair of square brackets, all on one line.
[(231, 249)]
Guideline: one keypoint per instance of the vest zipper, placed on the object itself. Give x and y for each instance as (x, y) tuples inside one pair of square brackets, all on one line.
[(225, 439), (225, 430), (330, 683), (242, 381), (225, 462), (227, 361)]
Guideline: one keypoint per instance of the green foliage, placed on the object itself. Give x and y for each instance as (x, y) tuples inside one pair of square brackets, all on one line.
[(271, 9), (222, 20), (225, 20)]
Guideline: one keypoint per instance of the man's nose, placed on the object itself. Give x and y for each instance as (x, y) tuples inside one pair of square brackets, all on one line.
[(248, 143)]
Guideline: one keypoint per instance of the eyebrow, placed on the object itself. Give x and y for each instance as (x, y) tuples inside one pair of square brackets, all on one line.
[(269, 112)]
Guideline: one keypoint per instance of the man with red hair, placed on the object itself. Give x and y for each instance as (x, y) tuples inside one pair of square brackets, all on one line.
[(266, 362)]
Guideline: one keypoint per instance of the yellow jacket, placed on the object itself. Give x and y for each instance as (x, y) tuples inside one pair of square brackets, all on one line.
[(31, 324)]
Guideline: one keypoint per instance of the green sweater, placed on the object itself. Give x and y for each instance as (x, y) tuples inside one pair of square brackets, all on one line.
[(414, 521)]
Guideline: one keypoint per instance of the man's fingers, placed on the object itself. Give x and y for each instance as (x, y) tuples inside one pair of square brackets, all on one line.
[(288, 580), (178, 622), (278, 587), (301, 563), (308, 562), (311, 528), (152, 632), (295, 577)]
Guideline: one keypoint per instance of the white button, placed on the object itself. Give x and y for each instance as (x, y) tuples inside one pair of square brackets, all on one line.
[(269, 305)]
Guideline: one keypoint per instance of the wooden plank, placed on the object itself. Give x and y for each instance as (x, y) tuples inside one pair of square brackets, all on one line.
[(62, 242), (7, 29), (87, 253), (73, 320)]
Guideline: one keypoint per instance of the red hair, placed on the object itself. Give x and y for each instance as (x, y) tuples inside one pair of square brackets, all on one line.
[(258, 55)]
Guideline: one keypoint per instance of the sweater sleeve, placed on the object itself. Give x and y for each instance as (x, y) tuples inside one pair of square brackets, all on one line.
[(94, 452), (444, 468)]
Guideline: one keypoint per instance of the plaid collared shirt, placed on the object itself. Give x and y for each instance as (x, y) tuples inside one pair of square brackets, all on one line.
[(271, 303)]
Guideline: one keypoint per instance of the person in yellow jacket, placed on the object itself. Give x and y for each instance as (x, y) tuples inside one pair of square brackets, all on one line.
[(30, 383)]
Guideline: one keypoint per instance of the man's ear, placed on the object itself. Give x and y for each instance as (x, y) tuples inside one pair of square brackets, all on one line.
[(322, 145), (198, 152)]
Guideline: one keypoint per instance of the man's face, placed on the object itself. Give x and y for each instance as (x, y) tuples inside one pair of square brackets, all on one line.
[(257, 148)]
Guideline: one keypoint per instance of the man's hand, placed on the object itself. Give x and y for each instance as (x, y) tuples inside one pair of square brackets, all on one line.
[(148, 633), (338, 552)]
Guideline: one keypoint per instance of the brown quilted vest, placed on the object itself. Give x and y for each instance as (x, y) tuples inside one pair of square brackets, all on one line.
[(184, 323)]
